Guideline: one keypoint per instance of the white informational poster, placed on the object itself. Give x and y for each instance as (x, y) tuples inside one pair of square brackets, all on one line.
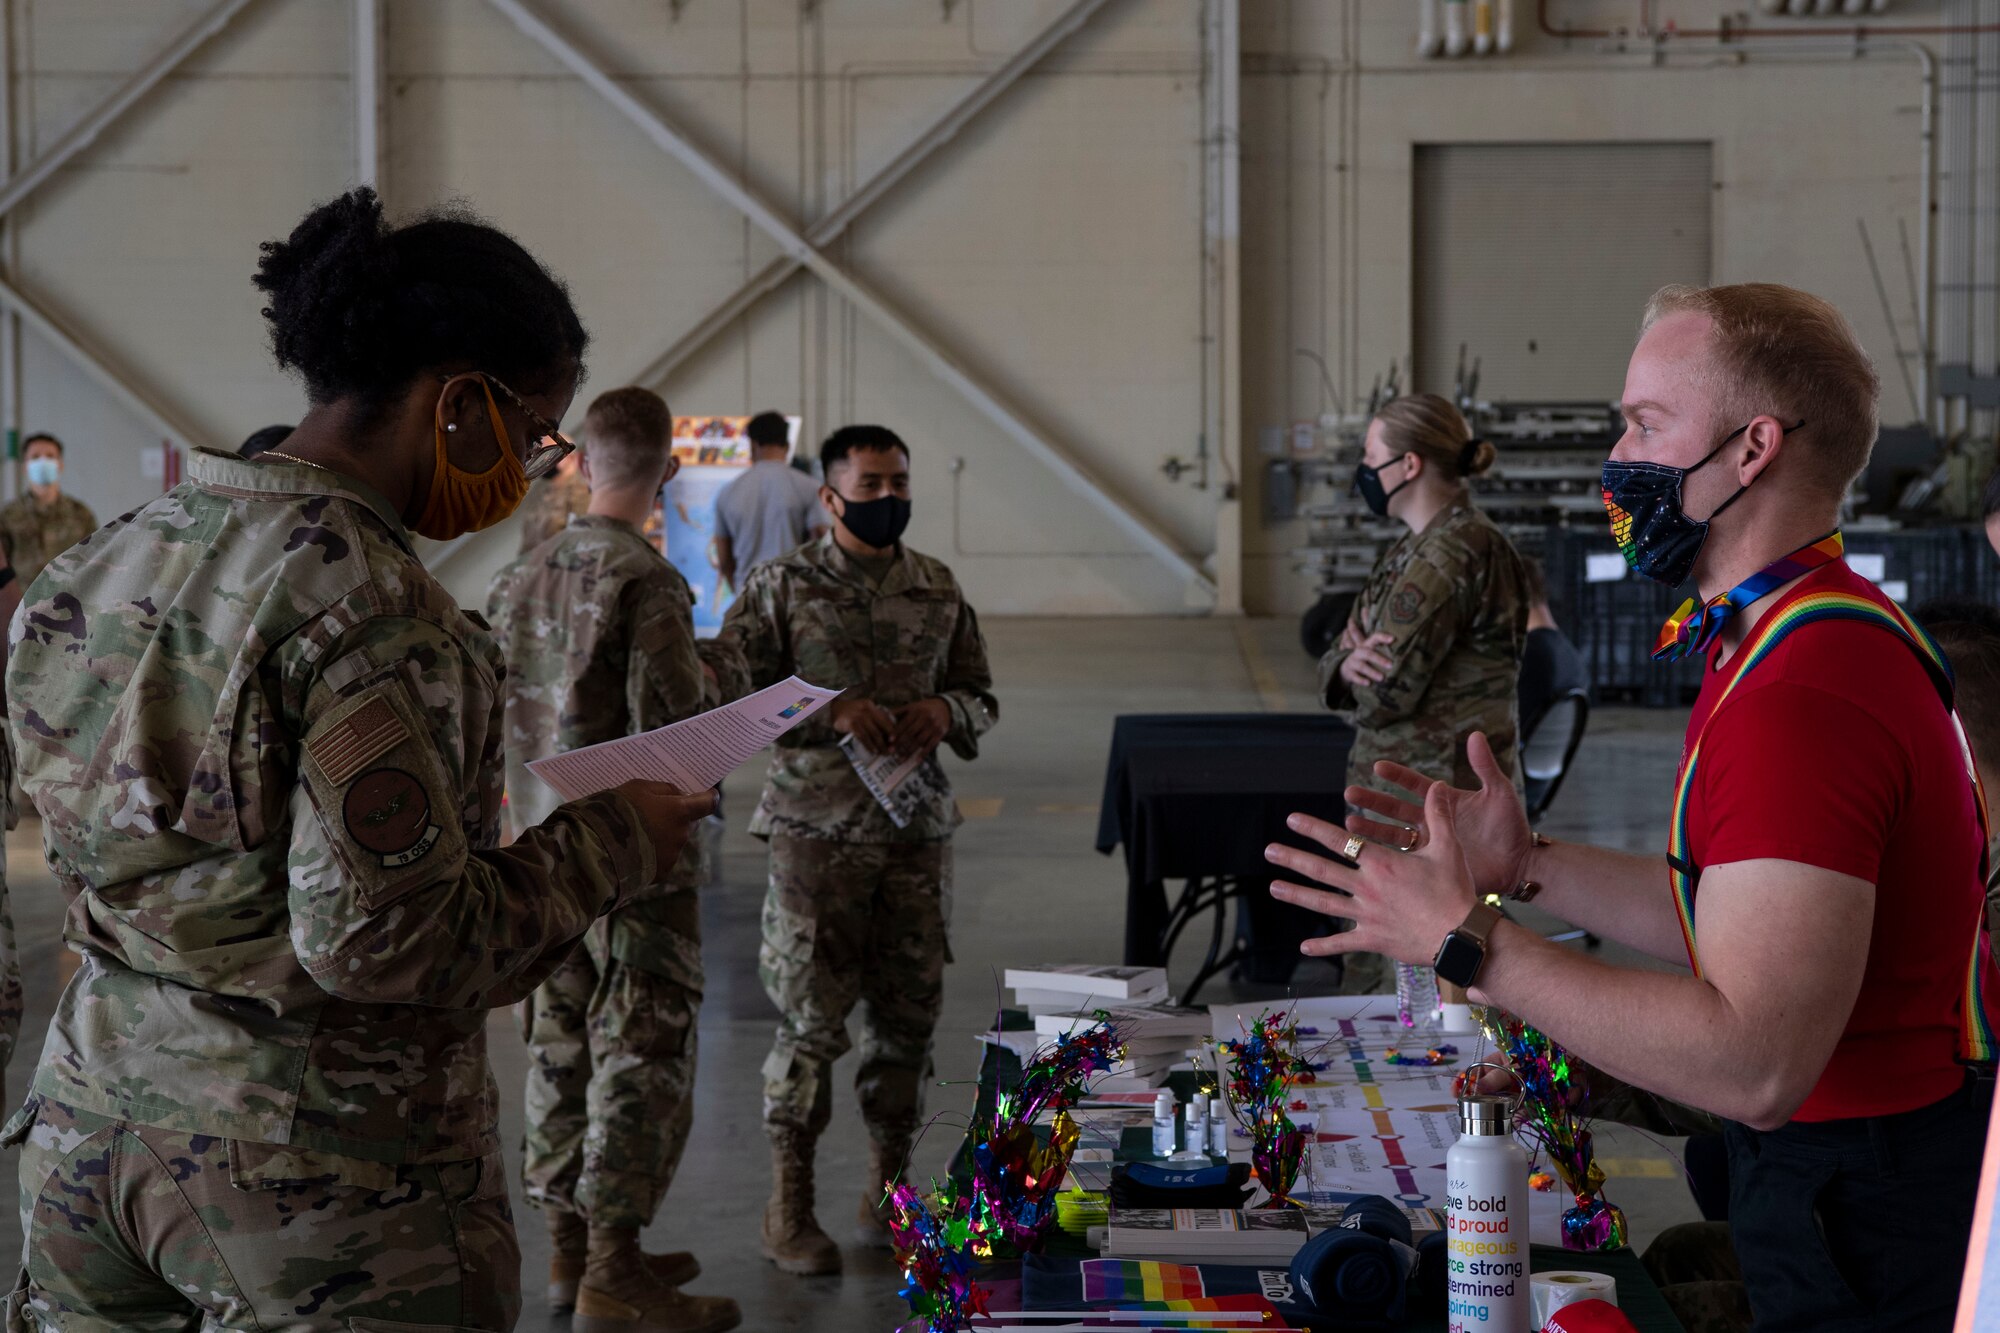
[(691, 755)]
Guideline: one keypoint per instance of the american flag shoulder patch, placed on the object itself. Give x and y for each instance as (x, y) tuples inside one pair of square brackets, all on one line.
[(357, 739)]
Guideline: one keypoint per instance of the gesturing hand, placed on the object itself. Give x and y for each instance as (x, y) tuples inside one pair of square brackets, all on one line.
[(1402, 905), (1489, 823), (865, 720)]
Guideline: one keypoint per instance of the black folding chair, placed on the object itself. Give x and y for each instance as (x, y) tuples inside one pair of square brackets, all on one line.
[(1548, 747)]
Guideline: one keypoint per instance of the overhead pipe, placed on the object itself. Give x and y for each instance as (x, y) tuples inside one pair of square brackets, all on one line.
[(1857, 31), (1429, 39), (1457, 41)]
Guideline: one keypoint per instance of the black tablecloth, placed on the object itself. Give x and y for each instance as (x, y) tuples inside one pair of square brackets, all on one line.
[(1202, 794)]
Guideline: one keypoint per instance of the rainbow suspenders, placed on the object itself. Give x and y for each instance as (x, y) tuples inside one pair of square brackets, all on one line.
[(1980, 1009)]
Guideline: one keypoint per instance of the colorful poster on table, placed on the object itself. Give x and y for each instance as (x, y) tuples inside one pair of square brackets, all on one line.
[(1351, 1038), (713, 451), (1400, 1155)]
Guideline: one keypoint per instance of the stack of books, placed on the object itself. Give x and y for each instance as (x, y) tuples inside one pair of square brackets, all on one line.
[(1256, 1237), (1157, 1039), (1080, 987)]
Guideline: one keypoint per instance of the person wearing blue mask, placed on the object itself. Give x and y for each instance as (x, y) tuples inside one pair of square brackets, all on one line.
[(1822, 902), (43, 523)]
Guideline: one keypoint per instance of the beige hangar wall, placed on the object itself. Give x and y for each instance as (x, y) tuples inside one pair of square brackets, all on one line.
[(1807, 138), (1056, 246)]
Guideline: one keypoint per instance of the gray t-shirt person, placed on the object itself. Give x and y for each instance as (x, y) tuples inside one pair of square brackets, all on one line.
[(767, 512)]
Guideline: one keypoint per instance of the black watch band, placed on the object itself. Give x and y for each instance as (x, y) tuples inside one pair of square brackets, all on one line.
[(1463, 952)]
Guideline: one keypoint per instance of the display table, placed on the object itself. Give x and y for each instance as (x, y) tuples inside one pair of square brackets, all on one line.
[(1639, 1297), (1197, 797)]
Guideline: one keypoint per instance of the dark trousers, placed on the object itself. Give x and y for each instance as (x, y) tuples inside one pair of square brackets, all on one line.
[(1858, 1226)]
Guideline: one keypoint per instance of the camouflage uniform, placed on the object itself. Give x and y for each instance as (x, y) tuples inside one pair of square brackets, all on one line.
[(265, 747), (1454, 597), (36, 533), (551, 504), (857, 908), (598, 631), (1695, 1266), (10, 958)]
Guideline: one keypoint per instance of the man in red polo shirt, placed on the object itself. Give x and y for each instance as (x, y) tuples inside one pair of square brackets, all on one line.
[(1824, 876)]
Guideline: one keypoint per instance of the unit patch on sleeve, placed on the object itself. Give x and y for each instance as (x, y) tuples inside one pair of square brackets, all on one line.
[(1408, 601), (387, 812)]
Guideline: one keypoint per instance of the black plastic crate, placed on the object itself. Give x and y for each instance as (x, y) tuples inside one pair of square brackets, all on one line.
[(1614, 624)]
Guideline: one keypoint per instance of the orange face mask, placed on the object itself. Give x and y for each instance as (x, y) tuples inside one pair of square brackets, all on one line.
[(461, 501)]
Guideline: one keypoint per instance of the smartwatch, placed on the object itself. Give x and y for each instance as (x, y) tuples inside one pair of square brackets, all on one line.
[(1463, 952)]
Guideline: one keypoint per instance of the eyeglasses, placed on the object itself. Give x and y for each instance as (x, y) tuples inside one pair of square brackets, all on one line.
[(551, 445)]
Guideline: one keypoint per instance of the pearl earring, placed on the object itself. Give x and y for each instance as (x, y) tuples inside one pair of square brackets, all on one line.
[(451, 426)]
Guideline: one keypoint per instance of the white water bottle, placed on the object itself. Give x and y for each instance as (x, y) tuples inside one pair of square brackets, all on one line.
[(1486, 1221), (1416, 996), (1163, 1124), (1218, 1129)]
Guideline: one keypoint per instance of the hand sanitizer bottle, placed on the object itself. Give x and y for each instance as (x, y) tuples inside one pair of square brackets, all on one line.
[(1163, 1124), (1194, 1131), (1218, 1128)]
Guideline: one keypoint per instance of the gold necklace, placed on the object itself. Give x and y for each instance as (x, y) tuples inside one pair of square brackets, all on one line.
[(293, 458)]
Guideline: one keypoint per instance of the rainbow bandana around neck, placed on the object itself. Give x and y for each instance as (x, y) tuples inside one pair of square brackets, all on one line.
[(1692, 629), (1979, 1011)]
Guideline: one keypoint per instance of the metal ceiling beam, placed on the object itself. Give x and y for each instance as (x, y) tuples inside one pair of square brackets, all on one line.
[(830, 228), (82, 134), (163, 419), (676, 144), (371, 42)]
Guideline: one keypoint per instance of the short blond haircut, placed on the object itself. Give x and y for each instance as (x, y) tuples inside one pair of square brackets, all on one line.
[(627, 436), (1429, 426), (1787, 353)]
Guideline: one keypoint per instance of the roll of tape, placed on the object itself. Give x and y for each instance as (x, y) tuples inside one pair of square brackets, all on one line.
[(1550, 1292)]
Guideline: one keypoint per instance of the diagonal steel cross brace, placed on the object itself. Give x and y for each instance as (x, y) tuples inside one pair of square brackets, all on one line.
[(23, 183), (671, 140), (101, 117), (830, 228)]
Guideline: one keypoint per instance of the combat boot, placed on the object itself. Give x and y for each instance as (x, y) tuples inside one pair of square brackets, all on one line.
[(569, 1239), (621, 1293), (885, 1165), (792, 1238)]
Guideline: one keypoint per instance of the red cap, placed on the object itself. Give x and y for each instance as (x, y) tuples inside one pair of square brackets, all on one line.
[(1590, 1317)]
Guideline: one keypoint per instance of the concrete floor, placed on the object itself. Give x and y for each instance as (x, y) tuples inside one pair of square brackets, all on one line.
[(1030, 888)]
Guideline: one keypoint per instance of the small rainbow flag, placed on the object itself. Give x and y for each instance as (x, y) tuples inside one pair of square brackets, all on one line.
[(1138, 1280)]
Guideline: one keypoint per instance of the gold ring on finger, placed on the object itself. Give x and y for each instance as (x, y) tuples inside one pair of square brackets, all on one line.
[(1408, 841), (1352, 851)]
